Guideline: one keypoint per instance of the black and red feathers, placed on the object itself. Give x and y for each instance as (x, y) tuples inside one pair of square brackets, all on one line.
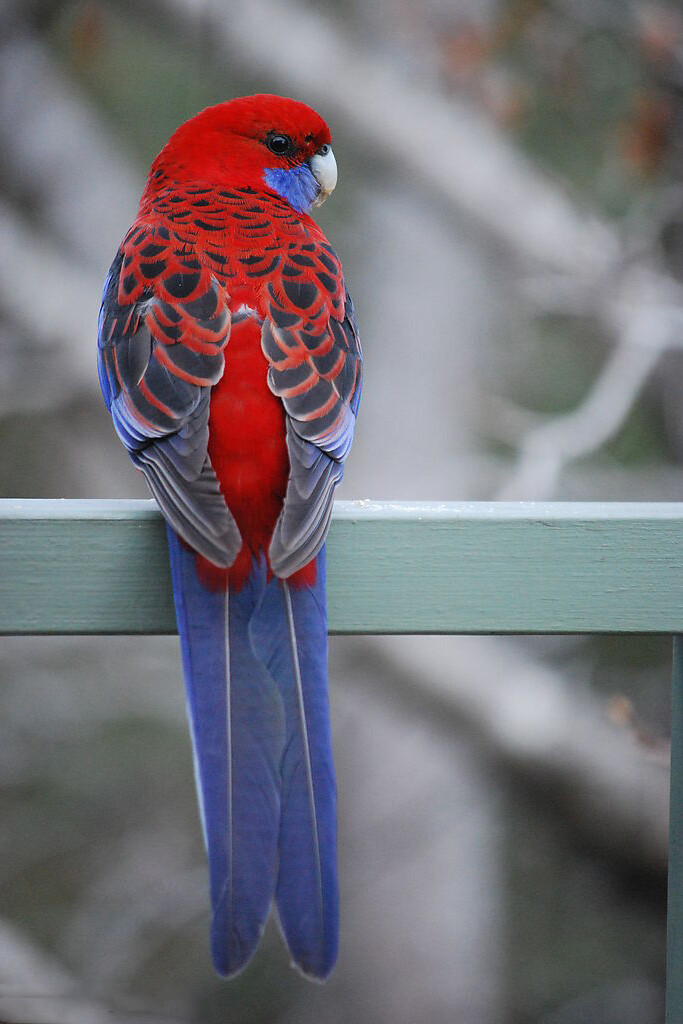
[(213, 245)]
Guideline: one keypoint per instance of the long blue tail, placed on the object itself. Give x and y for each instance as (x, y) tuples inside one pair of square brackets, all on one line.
[(255, 666), (290, 633)]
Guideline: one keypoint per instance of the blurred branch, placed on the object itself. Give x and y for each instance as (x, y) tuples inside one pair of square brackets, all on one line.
[(58, 154), (83, 194), (586, 481), (34, 987), (139, 914), (540, 729), (646, 316), (54, 304), (597, 14), (546, 450)]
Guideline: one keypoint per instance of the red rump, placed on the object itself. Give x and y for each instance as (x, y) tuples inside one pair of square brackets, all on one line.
[(248, 452)]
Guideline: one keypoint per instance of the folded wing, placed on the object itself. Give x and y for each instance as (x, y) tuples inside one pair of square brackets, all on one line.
[(164, 325), (310, 339)]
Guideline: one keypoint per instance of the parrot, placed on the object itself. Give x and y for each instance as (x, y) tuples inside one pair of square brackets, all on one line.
[(230, 361)]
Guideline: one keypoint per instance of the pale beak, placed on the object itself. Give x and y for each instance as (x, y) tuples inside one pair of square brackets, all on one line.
[(324, 168)]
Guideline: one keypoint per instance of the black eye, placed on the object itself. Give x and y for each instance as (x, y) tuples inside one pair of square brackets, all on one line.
[(324, 149), (280, 145)]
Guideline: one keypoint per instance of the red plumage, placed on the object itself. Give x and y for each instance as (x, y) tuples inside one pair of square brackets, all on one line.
[(215, 254), (248, 453)]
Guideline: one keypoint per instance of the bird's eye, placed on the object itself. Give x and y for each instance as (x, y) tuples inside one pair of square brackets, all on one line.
[(280, 145), (324, 149)]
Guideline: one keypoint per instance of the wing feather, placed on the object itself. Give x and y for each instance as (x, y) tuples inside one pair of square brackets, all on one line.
[(163, 328), (310, 339)]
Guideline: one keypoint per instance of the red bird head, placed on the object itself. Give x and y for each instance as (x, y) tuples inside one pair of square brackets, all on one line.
[(266, 142)]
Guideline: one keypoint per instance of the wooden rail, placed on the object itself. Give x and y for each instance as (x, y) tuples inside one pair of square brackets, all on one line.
[(393, 567), (102, 567)]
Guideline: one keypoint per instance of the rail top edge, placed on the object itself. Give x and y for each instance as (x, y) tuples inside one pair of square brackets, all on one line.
[(361, 509)]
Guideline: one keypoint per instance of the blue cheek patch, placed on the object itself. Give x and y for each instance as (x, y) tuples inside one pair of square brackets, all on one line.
[(295, 184)]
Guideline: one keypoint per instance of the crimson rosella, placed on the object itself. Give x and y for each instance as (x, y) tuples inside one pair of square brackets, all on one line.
[(230, 362)]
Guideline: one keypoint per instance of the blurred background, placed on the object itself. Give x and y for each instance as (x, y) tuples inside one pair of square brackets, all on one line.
[(510, 220)]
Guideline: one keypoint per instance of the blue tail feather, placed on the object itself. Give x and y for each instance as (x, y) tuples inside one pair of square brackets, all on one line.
[(255, 666), (236, 722), (290, 631)]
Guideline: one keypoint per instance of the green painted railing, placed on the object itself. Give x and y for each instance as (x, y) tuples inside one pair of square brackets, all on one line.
[(101, 567)]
